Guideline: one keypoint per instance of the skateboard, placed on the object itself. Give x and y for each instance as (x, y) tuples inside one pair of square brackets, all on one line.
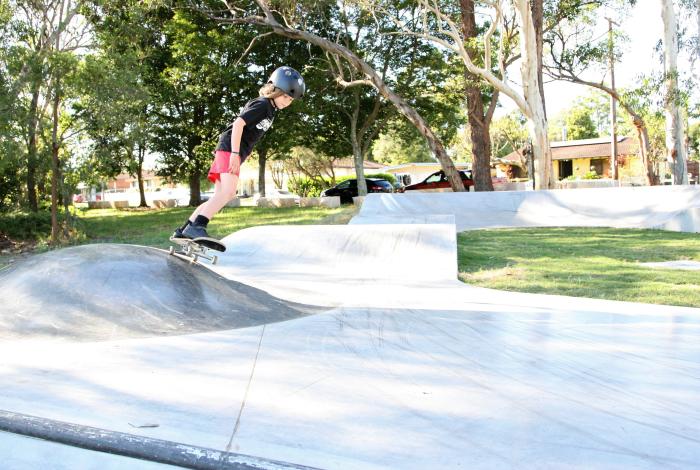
[(196, 248)]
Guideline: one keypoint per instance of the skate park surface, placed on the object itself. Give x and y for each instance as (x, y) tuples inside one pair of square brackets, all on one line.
[(350, 347)]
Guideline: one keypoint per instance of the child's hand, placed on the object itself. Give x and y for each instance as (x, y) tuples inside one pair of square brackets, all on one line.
[(234, 166)]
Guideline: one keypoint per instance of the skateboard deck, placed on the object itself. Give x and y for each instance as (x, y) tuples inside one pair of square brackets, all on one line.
[(196, 248)]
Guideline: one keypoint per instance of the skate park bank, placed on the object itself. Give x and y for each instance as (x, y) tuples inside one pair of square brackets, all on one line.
[(362, 367)]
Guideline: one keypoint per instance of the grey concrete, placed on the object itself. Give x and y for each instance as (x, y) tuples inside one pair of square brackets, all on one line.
[(109, 291)]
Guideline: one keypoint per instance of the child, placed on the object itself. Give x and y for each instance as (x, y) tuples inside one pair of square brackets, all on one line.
[(236, 143)]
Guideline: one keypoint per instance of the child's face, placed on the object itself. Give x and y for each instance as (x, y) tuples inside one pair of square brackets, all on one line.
[(283, 101)]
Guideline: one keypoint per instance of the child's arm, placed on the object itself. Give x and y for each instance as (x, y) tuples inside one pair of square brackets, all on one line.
[(236, 132)]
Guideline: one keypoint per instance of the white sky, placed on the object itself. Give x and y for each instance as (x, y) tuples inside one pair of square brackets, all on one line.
[(644, 29)]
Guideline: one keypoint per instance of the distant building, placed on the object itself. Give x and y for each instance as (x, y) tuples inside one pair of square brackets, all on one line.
[(589, 157)]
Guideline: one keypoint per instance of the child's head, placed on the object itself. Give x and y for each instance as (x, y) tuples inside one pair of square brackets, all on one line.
[(288, 81)]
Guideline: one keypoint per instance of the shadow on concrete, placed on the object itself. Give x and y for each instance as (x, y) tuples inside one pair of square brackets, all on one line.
[(110, 291)]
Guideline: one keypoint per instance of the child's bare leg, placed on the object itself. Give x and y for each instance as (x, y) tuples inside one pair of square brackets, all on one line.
[(199, 208), (224, 191)]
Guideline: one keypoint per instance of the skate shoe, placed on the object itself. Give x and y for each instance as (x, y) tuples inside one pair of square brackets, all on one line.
[(195, 231), (178, 233)]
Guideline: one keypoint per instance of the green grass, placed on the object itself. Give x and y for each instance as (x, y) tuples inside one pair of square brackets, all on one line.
[(582, 262), (154, 227)]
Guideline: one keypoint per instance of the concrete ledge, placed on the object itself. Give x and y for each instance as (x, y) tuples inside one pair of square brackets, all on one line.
[(599, 183), (358, 200), (234, 203), (108, 204), (275, 202), (330, 201), (163, 203)]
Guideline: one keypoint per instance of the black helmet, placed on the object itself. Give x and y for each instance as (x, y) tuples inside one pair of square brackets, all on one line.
[(289, 81)]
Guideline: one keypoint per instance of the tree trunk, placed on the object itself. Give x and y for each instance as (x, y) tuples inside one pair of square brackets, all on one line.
[(537, 10), (645, 149), (139, 178), (55, 165), (195, 187), (31, 149), (356, 147), (479, 122), (675, 150), (262, 163), (536, 116), (403, 107)]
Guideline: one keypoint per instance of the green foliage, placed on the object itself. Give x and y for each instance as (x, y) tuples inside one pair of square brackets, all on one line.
[(587, 118), (694, 141), (10, 181), (396, 147), (26, 225), (313, 187), (307, 187), (508, 133)]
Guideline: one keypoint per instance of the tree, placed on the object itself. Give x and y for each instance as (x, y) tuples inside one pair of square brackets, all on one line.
[(479, 115), (269, 20), (574, 123), (439, 27), (569, 62), (116, 110), (41, 30), (674, 125), (508, 135)]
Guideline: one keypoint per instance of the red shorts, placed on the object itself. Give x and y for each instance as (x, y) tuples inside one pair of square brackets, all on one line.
[(220, 165)]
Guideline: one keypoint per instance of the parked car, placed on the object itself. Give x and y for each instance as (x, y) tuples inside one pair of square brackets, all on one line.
[(348, 189), (438, 182)]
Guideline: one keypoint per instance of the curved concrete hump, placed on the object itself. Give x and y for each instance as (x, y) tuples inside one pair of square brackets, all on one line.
[(675, 208), (110, 291)]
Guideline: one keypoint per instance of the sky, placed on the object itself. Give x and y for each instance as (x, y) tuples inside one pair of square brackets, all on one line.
[(644, 29)]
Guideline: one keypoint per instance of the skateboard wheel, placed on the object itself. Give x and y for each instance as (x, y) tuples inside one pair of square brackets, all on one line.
[(194, 258), (171, 250), (214, 259)]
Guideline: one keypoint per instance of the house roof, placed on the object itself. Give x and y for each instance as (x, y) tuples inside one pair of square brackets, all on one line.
[(350, 163), (585, 148), (426, 164)]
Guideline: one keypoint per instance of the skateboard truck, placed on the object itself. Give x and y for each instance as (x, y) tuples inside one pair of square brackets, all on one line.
[(193, 249)]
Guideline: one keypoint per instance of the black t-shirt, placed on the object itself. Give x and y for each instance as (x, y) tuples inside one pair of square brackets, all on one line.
[(258, 115)]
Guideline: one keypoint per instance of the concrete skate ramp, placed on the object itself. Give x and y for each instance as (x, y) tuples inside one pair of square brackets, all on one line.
[(344, 252), (391, 252), (675, 208), (109, 291)]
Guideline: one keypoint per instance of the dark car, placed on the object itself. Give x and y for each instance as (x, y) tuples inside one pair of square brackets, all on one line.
[(438, 182), (348, 189)]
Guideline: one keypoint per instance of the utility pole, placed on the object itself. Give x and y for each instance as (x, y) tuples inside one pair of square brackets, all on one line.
[(613, 104)]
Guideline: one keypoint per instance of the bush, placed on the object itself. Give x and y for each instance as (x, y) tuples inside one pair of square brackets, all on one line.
[(26, 225), (307, 187)]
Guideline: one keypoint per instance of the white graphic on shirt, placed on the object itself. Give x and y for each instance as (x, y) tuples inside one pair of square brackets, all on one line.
[(265, 124)]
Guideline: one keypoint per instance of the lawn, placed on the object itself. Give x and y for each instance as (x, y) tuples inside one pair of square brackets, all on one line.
[(154, 227), (582, 262)]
